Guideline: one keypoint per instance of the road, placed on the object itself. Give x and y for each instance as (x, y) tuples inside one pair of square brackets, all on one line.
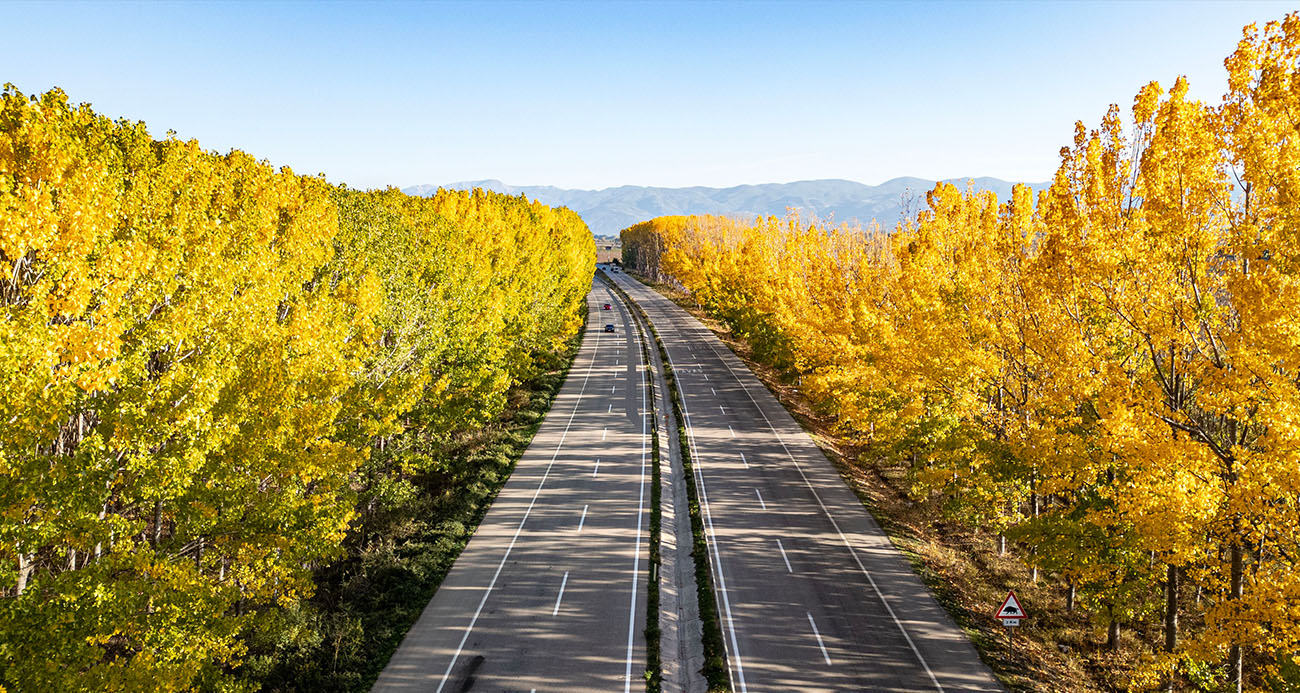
[(812, 594), (549, 594)]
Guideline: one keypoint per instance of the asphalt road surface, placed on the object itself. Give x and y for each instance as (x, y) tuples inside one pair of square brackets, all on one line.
[(549, 594), (812, 595)]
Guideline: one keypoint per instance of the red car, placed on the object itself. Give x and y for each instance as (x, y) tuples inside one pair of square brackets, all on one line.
[(607, 307)]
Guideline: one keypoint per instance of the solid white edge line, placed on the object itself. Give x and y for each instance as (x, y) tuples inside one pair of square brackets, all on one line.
[(560, 596), (640, 511), (871, 580), (783, 556), (520, 528), (820, 644)]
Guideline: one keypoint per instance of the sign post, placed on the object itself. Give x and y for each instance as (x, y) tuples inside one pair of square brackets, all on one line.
[(1010, 613)]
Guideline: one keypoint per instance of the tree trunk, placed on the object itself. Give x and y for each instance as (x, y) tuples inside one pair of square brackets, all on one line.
[(1171, 619), (1112, 634), (24, 570), (1002, 544), (157, 523), (1171, 608), (1238, 575), (1034, 508), (1069, 597), (99, 546)]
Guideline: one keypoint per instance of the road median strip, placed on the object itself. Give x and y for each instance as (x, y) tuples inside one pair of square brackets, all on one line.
[(715, 669)]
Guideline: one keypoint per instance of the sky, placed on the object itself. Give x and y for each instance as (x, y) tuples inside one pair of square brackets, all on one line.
[(593, 95)]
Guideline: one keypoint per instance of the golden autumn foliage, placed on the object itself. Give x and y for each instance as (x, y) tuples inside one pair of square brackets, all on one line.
[(1109, 374), (197, 355)]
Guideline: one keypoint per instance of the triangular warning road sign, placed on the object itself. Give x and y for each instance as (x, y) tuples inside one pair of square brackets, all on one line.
[(1010, 608)]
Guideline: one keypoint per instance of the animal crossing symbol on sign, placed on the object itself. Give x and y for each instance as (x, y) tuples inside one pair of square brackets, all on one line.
[(1010, 612)]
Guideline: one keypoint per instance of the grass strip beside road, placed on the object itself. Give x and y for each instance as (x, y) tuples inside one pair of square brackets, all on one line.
[(654, 664)]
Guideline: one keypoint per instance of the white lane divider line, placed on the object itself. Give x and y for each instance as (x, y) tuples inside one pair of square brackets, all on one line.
[(565, 581), (604, 433), (721, 408), (742, 459), (611, 408), (597, 469), (582, 519), (612, 388), (706, 375), (819, 638), (715, 392), (783, 557), (760, 499), (733, 431)]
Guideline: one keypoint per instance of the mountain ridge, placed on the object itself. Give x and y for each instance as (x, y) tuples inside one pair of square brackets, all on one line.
[(609, 210)]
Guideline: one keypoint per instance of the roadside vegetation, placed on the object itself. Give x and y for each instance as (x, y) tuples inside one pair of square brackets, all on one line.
[(1092, 396), (226, 386), (341, 638)]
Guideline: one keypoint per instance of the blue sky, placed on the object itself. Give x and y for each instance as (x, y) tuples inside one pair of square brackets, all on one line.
[(593, 95)]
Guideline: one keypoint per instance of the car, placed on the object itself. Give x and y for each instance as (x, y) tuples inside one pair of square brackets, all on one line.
[(609, 327), (607, 307)]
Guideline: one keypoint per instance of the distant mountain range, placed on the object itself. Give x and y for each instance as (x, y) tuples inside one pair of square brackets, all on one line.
[(611, 210)]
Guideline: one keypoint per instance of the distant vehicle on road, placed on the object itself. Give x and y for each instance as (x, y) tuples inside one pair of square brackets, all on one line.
[(609, 327), (606, 307)]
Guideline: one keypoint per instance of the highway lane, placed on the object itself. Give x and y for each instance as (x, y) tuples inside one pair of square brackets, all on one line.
[(549, 594), (812, 595)]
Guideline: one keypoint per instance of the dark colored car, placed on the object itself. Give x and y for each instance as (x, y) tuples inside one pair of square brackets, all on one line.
[(609, 327), (607, 307)]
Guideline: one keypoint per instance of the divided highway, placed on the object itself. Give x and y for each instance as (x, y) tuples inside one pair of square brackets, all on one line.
[(549, 595), (811, 593)]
